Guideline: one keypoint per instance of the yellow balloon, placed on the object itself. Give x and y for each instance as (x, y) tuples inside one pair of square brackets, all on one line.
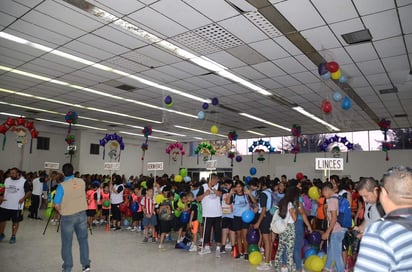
[(316, 264), (336, 75), (214, 129), (313, 193), (307, 263), (159, 199), (255, 258), (178, 178)]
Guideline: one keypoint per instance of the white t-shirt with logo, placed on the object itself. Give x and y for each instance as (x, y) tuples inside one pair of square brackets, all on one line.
[(211, 205), (14, 192)]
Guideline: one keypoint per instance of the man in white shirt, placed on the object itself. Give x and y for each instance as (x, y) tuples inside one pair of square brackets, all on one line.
[(12, 202), (36, 195)]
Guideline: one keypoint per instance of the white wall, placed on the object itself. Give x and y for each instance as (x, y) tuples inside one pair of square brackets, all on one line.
[(360, 163)]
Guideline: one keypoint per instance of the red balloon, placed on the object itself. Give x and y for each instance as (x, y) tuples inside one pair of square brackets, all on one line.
[(29, 125), (3, 129), (123, 208), (299, 176), (128, 213), (20, 121), (326, 106), (10, 122), (332, 66), (34, 133)]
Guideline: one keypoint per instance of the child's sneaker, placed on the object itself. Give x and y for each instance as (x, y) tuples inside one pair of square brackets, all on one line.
[(12, 240), (129, 228), (133, 229), (217, 253), (153, 240), (161, 246), (193, 248), (205, 250), (145, 240), (264, 267), (246, 257), (222, 249)]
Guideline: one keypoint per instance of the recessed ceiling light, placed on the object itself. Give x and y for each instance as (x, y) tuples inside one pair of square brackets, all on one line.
[(359, 36)]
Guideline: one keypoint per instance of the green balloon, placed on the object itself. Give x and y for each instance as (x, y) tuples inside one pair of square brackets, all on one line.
[(48, 212), (183, 172), (252, 247)]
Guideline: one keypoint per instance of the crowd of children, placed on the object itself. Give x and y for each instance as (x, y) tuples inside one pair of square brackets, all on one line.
[(162, 209)]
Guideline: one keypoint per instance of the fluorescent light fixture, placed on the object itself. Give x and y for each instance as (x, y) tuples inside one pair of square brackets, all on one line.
[(65, 123), (178, 51), (200, 131), (235, 78), (263, 121), (256, 133), (208, 64), (11, 114), (198, 138), (314, 117)]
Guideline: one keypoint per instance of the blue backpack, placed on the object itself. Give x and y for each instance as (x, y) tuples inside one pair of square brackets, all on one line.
[(344, 212)]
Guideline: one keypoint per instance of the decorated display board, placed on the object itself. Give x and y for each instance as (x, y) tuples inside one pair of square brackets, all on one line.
[(19, 126)]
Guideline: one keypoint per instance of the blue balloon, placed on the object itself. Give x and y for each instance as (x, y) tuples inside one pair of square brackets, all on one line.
[(184, 217), (168, 100), (248, 179), (134, 206), (343, 79), (309, 252), (346, 103), (201, 115), (205, 106), (326, 76), (252, 171), (248, 216), (238, 158), (337, 96), (187, 179)]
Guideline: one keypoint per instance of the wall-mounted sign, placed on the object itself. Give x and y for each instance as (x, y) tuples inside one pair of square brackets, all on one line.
[(333, 164)]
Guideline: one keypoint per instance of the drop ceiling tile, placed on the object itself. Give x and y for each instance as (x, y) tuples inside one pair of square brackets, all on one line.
[(374, 23), (122, 6), (175, 73), (349, 70), (157, 22), (13, 9), (269, 69), (401, 3), (305, 77), (339, 11), (190, 68), (390, 47), (225, 59), (142, 59), (7, 60), (371, 67), (378, 79), (6, 19), (53, 24), (358, 82), (269, 49), (290, 65), (117, 36), (286, 44), (398, 63), (247, 54), (321, 38), (214, 9), (201, 83), (157, 76), (405, 17), (286, 80), (103, 44), (372, 6), (248, 72), (181, 13), (215, 79), (306, 62), (158, 54), (68, 15), (80, 49), (125, 65), (362, 52), (248, 32), (268, 83), (346, 27), (17, 52), (308, 18)]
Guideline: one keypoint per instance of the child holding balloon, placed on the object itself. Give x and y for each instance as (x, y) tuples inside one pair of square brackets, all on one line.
[(137, 212)]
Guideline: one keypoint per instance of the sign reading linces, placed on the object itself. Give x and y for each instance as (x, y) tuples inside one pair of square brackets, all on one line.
[(154, 166), (51, 165), (334, 164), (112, 166)]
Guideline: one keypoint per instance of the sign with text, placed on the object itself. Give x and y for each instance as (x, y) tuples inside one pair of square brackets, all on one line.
[(211, 164), (154, 166), (112, 166), (333, 164), (51, 165)]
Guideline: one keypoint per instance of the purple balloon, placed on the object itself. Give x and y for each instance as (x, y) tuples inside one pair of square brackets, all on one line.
[(168, 100), (252, 236), (238, 158), (322, 69), (102, 142), (324, 146), (314, 238), (205, 106), (215, 101)]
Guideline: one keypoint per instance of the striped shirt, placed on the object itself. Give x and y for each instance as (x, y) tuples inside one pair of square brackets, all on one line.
[(385, 246)]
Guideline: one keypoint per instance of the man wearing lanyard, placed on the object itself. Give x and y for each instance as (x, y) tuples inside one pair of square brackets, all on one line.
[(70, 202)]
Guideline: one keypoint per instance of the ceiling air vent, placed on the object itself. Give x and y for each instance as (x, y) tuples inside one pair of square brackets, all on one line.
[(388, 91), (126, 87), (359, 36), (400, 115), (112, 125)]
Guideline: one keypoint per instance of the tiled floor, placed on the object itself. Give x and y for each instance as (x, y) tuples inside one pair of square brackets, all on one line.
[(109, 251)]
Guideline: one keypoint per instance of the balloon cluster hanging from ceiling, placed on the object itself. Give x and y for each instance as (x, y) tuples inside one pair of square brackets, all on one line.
[(385, 125), (232, 154), (296, 132), (18, 125)]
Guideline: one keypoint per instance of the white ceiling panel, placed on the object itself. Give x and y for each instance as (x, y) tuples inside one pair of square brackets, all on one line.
[(338, 55), (6, 19), (306, 62), (371, 67), (157, 76), (339, 11), (269, 49), (158, 54), (374, 23), (189, 68), (310, 19), (378, 79), (290, 65), (321, 38), (7, 60), (79, 19), (362, 52), (13, 9), (157, 22), (268, 68), (104, 44), (401, 3), (390, 47), (226, 59), (268, 83), (286, 80), (249, 73), (201, 83), (181, 13), (372, 6), (248, 32), (286, 44), (350, 70), (405, 16), (358, 81), (305, 77), (365, 91), (398, 63), (53, 24), (214, 9), (92, 53), (175, 73), (118, 36)]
